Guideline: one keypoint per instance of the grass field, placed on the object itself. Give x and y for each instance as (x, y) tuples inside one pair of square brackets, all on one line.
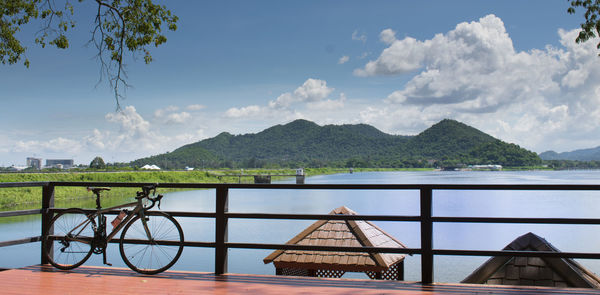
[(31, 196)]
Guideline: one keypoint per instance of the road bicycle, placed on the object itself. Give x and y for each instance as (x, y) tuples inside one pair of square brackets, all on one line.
[(151, 241)]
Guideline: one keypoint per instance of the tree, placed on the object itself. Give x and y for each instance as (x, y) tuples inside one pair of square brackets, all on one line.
[(119, 25), (97, 163), (591, 27)]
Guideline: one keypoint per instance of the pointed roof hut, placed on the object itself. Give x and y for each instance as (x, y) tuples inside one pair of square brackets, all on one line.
[(356, 233), (533, 271)]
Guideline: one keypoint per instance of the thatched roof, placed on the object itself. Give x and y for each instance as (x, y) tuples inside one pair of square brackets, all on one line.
[(533, 271), (355, 233)]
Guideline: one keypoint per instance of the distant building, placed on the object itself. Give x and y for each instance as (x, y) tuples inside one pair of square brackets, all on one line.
[(486, 167), (59, 163), (150, 167), (35, 163), (14, 168)]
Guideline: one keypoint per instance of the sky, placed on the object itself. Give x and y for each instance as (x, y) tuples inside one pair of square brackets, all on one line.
[(509, 68)]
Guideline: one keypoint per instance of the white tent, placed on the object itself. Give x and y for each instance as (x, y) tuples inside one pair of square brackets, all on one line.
[(150, 167)]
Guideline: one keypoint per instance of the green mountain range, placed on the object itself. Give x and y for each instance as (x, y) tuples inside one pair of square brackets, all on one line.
[(591, 154), (303, 143)]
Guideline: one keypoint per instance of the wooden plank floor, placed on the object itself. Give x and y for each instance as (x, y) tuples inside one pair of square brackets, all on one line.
[(99, 280)]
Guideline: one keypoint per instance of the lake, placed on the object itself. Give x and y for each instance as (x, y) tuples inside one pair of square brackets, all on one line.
[(569, 238)]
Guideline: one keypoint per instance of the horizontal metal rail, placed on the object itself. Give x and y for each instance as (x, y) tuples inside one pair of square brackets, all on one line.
[(510, 187), (20, 241), (20, 212), (425, 218), (23, 184)]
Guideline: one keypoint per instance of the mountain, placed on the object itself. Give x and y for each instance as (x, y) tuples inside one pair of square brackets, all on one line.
[(304, 143), (592, 154), (448, 138)]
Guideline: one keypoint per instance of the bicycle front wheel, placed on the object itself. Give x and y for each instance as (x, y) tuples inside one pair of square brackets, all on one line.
[(157, 252), (69, 239)]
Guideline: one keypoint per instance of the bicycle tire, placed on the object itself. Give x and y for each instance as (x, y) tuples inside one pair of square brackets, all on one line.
[(65, 251), (148, 256)]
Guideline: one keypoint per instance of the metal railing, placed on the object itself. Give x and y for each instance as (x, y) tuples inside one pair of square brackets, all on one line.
[(425, 218)]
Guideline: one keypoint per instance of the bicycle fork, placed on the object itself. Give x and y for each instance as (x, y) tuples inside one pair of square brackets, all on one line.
[(145, 220)]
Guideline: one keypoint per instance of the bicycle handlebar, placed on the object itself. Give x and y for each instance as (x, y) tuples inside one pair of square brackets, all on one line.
[(145, 193)]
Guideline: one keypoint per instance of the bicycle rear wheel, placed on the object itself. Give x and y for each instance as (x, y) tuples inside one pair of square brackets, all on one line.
[(154, 254), (69, 239)]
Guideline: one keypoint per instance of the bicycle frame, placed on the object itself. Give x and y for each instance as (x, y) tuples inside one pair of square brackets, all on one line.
[(99, 214)]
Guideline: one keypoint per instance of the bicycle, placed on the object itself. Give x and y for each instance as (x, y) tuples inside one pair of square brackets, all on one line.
[(151, 241)]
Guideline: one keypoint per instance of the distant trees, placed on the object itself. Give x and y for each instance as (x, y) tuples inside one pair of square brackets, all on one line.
[(97, 163), (304, 144), (120, 26)]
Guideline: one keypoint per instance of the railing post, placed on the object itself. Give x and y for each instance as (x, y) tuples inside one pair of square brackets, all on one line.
[(47, 203), (426, 236), (222, 206)]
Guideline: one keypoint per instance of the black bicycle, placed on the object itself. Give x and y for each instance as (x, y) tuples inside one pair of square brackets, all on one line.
[(151, 241)]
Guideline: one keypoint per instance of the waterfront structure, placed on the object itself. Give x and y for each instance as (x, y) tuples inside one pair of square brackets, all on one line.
[(35, 163), (150, 167), (352, 233), (533, 271), (59, 163)]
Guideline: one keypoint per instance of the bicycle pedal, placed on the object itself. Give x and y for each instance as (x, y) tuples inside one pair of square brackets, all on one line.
[(109, 264)]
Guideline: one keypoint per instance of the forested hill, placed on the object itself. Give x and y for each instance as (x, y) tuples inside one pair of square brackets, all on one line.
[(592, 154), (303, 143)]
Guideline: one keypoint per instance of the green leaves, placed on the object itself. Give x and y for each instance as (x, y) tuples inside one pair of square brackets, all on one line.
[(121, 25), (591, 27)]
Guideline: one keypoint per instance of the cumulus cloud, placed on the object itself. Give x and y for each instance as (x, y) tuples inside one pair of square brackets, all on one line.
[(60, 144), (344, 59), (249, 111), (312, 90), (178, 118), (130, 122), (387, 36), (311, 101), (473, 73), (328, 104), (170, 116)]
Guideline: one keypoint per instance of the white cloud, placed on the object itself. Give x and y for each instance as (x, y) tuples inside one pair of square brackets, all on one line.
[(328, 104), (178, 118), (344, 59), (130, 121), (249, 111), (359, 37), (387, 36), (60, 144), (472, 73), (312, 90), (195, 107), (162, 112), (170, 116), (309, 101)]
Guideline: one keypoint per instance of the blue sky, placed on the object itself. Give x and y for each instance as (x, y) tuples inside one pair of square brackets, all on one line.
[(508, 68)]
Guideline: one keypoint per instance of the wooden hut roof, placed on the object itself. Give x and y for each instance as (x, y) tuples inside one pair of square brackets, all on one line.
[(354, 233), (533, 271)]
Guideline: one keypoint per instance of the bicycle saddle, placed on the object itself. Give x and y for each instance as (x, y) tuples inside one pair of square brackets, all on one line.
[(97, 190)]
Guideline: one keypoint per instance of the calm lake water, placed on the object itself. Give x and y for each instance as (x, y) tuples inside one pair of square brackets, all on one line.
[(583, 238)]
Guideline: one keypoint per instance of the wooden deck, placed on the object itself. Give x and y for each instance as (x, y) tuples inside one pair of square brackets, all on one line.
[(99, 280)]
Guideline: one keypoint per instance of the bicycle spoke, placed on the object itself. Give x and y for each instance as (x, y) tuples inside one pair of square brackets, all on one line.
[(70, 244), (151, 256)]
